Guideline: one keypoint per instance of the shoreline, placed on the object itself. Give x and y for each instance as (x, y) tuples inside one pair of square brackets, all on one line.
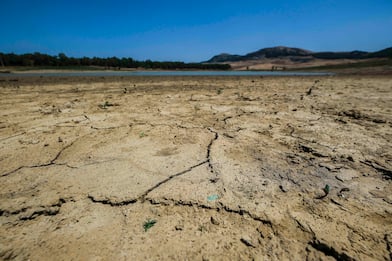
[(345, 71)]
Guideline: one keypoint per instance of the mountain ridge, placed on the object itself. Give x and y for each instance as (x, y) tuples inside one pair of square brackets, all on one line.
[(284, 51)]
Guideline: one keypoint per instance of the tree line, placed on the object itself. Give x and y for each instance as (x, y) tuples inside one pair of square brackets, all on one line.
[(60, 60)]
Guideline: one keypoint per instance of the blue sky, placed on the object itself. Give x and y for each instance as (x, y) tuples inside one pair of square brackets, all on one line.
[(191, 31)]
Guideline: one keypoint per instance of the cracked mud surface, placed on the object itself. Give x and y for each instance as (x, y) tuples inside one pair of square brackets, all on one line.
[(230, 168)]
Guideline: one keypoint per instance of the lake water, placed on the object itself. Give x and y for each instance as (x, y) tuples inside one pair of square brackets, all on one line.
[(167, 73)]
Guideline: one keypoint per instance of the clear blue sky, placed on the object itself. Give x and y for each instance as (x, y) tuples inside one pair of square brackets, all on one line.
[(184, 30)]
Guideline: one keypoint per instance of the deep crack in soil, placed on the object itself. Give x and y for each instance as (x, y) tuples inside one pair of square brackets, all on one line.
[(51, 162)]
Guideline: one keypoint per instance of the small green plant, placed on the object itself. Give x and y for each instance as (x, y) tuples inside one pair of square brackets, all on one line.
[(201, 228), (326, 189), (219, 91), (149, 224), (142, 134)]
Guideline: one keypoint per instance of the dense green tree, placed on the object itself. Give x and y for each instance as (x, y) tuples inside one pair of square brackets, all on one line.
[(38, 59), (63, 59), (1, 60)]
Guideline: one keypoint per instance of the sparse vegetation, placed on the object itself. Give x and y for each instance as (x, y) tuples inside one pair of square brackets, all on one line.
[(149, 224), (364, 64)]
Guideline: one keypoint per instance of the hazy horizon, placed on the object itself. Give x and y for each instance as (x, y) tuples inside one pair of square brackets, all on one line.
[(191, 31)]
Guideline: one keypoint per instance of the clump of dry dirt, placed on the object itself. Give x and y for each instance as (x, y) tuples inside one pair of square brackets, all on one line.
[(200, 168)]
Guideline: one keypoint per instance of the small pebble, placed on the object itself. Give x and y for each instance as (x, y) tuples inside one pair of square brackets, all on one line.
[(214, 221), (179, 227)]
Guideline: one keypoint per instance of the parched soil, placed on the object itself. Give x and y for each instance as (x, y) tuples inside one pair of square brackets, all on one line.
[(196, 168)]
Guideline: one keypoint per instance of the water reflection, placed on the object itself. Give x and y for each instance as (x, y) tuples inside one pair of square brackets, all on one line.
[(170, 73)]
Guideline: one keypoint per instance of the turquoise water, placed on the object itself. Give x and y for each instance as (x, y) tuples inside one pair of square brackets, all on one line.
[(169, 73)]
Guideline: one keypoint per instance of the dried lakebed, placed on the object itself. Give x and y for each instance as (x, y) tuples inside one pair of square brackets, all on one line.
[(200, 168)]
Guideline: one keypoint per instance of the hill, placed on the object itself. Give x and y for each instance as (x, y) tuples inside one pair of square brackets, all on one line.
[(221, 58), (275, 52), (298, 54), (289, 58)]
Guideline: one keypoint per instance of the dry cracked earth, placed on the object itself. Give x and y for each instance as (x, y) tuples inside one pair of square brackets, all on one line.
[(196, 168)]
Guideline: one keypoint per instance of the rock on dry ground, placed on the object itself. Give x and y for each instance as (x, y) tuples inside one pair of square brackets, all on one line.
[(230, 168)]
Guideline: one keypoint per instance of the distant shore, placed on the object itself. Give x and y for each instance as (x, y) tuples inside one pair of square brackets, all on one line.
[(375, 68)]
